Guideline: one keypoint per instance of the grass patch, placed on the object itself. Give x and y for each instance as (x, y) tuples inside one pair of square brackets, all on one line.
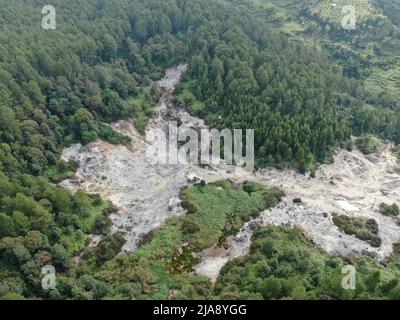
[(292, 28), (220, 209), (62, 171)]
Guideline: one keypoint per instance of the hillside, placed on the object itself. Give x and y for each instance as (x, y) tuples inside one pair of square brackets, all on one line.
[(275, 67)]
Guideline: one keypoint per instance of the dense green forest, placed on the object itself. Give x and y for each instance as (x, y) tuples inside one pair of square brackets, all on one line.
[(62, 86), (368, 53), (284, 265), (392, 9)]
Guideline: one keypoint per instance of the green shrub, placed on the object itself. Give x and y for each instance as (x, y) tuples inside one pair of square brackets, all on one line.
[(389, 210), (363, 229), (109, 247), (102, 224), (369, 144)]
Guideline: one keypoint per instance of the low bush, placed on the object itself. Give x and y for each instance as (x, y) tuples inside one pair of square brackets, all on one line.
[(389, 210), (364, 229)]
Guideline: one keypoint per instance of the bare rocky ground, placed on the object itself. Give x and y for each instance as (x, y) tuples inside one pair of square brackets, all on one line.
[(354, 185), (147, 193)]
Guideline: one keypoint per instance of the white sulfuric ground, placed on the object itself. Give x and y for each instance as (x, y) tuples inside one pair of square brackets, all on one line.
[(147, 193)]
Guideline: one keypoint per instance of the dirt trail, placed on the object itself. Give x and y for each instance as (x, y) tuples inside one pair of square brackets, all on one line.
[(147, 193)]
